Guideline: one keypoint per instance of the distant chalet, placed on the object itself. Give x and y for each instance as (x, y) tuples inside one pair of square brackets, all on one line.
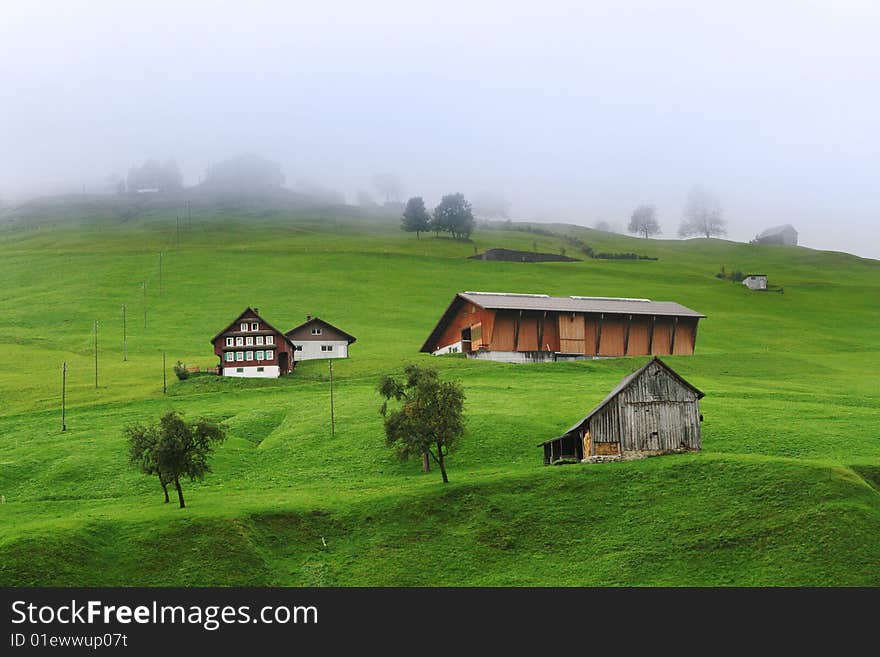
[(251, 347), (785, 234), (509, 255), (650, 412), (316, 339), (520, 328)]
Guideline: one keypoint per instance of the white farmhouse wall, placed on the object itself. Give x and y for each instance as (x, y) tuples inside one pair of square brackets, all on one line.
[(311, 349), (269, 372), (454, 348), (755, 282)]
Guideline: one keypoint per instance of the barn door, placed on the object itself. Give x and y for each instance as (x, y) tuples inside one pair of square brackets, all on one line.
[(571, 333)]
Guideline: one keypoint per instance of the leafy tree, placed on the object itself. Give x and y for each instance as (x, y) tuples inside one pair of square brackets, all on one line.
[(604, 226), (454, 215), (702, 215), (490, 206), (152, 175), (415, 217), (142, 452), (644, 221), (174, 448), (430, 418)]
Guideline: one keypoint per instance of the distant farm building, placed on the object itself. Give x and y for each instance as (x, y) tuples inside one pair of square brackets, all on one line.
[(519, 328), (756, 281), (251, 347), (652, 411), (316, 339), (785, 234)]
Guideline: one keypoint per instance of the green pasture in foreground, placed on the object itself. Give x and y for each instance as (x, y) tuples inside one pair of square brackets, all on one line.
[(785, 491)]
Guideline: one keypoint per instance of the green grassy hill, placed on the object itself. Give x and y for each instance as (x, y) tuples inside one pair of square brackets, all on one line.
[(785, 491)]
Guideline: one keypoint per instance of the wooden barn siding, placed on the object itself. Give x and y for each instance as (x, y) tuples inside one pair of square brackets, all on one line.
[(571, 333), (613, 331), (685, 337), (463, 319), (662, 336), (527, 339), (591, 329), (502, 333), (639, 329)]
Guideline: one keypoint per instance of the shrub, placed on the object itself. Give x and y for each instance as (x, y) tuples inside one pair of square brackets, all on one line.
[(180, 370)]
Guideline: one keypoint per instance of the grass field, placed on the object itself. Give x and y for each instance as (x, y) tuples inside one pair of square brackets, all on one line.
[(785, 491)]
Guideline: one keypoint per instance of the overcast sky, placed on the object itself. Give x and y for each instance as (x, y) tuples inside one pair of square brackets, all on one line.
[(574, 111)]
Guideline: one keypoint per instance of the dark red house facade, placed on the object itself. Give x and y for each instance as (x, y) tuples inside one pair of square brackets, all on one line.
[(251, 347)]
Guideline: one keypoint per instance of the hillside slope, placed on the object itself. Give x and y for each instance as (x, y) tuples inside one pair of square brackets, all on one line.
[(784, 493)]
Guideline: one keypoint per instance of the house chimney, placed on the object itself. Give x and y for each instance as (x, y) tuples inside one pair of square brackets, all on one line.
[(308, 318), (257, 310)]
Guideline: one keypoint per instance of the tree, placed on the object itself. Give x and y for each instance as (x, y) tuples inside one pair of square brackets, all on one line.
[(174, 448), (430, 419), (415, 217), (388, 185), (490, 206), (454, 215), (245, 173), (604, 226), (153, 175), (702, 215), (142, 452), (644, 221)]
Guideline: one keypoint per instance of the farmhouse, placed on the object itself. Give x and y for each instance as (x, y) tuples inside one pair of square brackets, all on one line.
[(785, 234), (315, 338), (251, 347), (756, 281), (520, 328), (652, 411)]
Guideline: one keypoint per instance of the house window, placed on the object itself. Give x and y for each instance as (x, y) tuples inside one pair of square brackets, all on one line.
[(316, 331), (297, 347), (255, 326), (260, 369), (249, 341), (239, 341), (244, 326), (249, 355), (326, 347), (259, 339), (270, 339), (239, 355), (260, 355), (270, 355), (239, 370), (230, 342), (230, 356)]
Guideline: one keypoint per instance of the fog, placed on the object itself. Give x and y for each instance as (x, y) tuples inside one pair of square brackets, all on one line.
[(572, 111)]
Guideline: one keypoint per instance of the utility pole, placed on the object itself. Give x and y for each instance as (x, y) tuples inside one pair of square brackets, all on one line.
[(160, 273), (164, 381), (124, 349), (178, 231), (332, 418), (189, 215), (96, 354), (64, 396), (144, 285)]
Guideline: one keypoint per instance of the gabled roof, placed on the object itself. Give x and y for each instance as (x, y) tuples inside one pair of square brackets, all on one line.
[(315, 320), (250, 312), (776, 230), (540, 302), (620, 387)]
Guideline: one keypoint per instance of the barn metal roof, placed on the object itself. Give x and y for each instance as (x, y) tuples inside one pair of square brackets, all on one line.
[(775, 230), (618, 388), (582, 304)]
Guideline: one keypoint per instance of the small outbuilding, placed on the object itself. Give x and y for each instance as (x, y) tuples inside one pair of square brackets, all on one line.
[(756, 281), (652, 411)]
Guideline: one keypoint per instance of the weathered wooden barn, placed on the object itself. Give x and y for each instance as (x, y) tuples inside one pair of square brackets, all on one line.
[(521, 328), (317, 339), (251, 347), (652, 411)]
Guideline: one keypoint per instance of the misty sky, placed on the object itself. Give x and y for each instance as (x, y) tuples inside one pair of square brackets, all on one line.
[(574, 111)]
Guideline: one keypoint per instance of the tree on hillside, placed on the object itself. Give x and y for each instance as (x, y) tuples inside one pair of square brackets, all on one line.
[(604, 226), (245, 173), (430, 418), (454, 215), (644, 221), (702, 215), (388, 185), (174, 448), (415, 217), (165, 177), (142, 452), (490, 206)]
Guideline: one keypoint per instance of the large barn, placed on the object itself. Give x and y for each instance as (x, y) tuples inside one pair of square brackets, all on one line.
[(521, 328), (785, 234), (652, 411), (251, 347)]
